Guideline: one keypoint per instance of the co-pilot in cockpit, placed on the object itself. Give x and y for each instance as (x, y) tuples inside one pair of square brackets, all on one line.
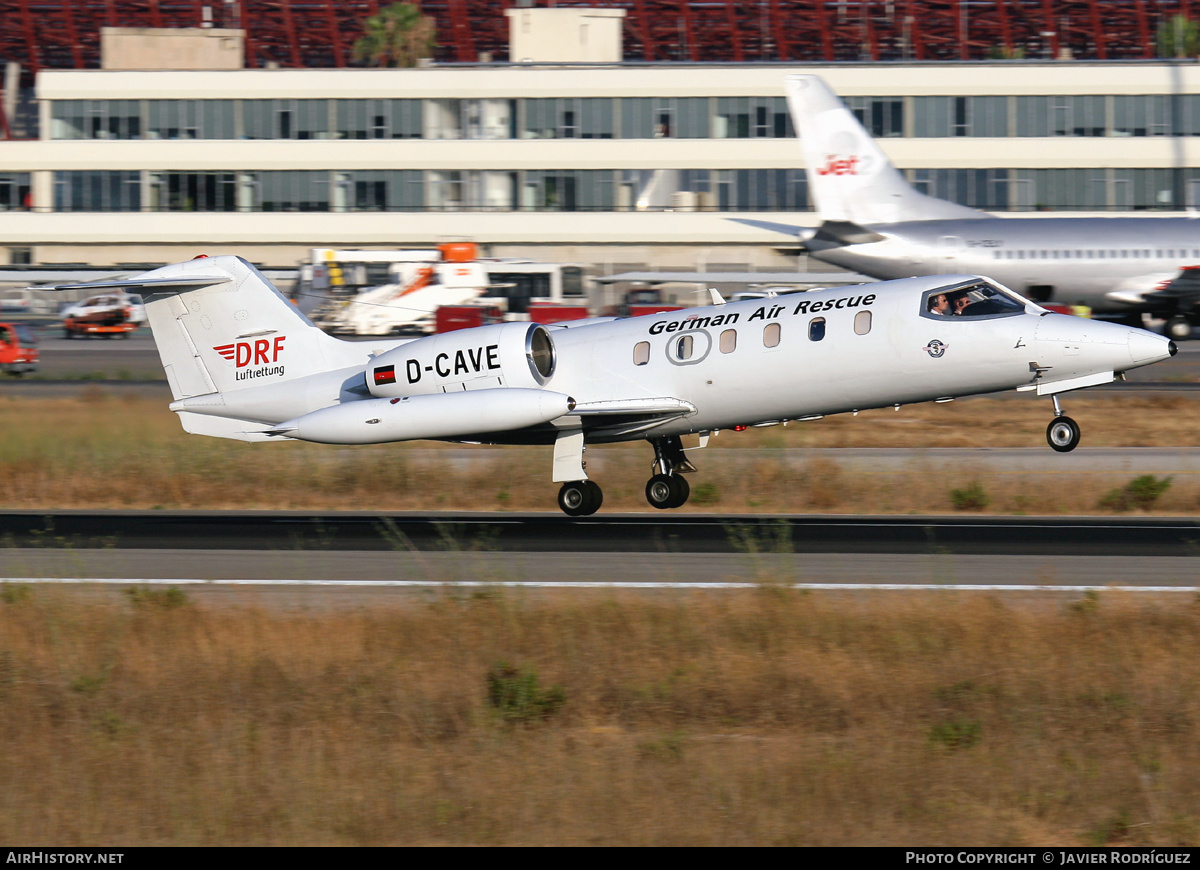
[(977, 299)]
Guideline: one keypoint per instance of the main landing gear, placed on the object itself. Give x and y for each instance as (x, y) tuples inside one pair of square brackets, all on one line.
[(1063, 433), (666, 489)]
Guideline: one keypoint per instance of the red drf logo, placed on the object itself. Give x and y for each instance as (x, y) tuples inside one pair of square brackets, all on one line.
[(835, 165), (257, 353)]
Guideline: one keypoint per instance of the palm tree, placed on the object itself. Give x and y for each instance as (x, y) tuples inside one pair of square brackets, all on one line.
[(398, 36), (1178, 36)]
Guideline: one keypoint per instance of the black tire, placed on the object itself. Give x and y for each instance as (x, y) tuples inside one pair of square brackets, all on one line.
[(685, 490), (580, 498), (1063, 434), (663, 491), (596, 497), (1178, 328)]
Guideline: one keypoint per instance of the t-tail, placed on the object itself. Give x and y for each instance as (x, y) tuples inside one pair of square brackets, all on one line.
[(852, 181), (223, 332)]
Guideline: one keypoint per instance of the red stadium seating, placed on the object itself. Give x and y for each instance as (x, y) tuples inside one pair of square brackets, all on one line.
[(64, 34)]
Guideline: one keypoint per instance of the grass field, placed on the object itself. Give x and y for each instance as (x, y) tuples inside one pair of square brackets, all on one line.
[(762, 717), (98, 450)]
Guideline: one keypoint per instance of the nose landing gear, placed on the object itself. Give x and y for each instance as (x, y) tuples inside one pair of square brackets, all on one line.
[(1063, 433), (667, 488)]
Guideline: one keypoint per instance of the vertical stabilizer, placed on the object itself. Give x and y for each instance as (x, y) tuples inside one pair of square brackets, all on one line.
[(220, 326), (850, 178)]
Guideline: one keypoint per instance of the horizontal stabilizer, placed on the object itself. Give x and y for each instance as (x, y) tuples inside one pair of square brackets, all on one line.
[(224, 427), (147, 285), (771, 226), (837, 233)]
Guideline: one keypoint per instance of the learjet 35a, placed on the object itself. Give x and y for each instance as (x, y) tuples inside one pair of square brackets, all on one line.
[(243, 363)]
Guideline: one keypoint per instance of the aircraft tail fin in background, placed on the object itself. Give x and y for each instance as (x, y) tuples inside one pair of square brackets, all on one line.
[(220, 325), (850, 177)]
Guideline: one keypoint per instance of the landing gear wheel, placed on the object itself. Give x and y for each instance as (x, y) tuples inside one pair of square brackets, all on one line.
[(685, 490), (1178, 328), (1063, 434), (667, 491), (580, 498)]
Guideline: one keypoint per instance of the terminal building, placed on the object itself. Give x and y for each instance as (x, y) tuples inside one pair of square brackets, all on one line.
[(567, 151)]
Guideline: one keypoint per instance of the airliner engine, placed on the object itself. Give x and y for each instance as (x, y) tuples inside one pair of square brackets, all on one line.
[(441, 415), (501, 355)]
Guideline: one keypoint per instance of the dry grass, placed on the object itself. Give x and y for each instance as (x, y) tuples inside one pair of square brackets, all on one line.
[(102, 451), (764, 717)]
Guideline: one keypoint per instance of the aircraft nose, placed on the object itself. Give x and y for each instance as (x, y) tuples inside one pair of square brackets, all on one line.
[(1146, 347)]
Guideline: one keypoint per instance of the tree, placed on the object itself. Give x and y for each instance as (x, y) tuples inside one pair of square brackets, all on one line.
[(1178, 36), (398, 36)]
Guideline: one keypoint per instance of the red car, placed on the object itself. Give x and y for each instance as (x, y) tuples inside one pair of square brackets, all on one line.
[(18, 351)]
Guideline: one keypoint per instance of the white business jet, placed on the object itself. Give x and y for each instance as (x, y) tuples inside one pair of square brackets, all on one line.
[(243, 363)]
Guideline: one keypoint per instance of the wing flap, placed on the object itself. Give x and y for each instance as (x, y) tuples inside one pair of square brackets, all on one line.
[(635, 407), (629, 416)]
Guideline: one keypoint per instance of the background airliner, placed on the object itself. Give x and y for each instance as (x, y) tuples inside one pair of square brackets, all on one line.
[(875, 223)]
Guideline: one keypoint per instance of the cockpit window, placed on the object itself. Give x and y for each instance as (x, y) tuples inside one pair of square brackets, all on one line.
[(970, 300)]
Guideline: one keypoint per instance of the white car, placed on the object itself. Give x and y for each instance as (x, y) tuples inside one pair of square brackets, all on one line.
[(24, 302), (104, 314)]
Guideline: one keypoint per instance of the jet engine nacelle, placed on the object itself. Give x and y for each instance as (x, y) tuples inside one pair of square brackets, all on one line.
[(442, 415), (500, 355)]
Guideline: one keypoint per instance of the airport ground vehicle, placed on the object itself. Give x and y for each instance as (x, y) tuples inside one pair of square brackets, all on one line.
[(1176, 301), (397, 292), (23, 301), (18, 349), (643, 300), (106, 314), (452, 317)]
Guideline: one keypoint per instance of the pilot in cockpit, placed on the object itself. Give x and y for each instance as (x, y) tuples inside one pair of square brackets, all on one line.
[(939, 304), (959, 301)]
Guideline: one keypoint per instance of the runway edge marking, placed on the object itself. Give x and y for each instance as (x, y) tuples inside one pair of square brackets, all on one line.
[(600, 584)]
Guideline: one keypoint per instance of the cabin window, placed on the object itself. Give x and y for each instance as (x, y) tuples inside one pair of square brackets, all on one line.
[(729, 341), (683, 347), (862, 323), (771, 335), (816, 329), (641, 353)]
